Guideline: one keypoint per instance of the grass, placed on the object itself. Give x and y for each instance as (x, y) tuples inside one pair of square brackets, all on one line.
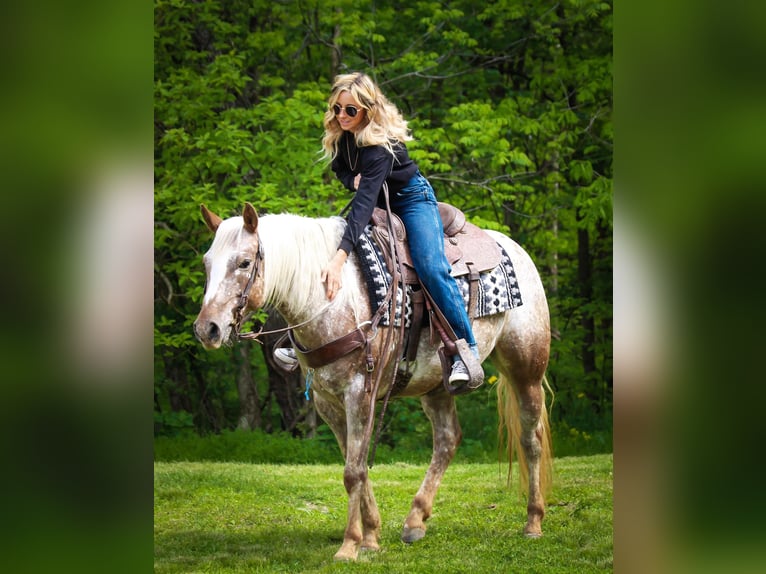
[(216, 517)]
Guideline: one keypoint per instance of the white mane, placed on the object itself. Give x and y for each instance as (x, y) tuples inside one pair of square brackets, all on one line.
[(296, 249)]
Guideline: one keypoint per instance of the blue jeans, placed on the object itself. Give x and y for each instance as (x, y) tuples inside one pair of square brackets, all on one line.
[(416, 205)]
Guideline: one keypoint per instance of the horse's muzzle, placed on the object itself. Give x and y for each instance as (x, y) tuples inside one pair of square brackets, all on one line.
[(208, 333)]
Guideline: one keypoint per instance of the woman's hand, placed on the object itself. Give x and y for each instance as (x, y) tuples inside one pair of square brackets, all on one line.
[(356, 180), (331, 275)]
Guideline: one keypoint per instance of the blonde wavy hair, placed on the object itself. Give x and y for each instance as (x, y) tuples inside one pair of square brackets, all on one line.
[(383, 124)]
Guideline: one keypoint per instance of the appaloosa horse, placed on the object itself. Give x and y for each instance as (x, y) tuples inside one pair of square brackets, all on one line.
[(277, 260)]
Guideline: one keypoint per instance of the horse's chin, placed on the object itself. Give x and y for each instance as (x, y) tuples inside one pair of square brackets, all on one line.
[(211, 345), (228, 341)]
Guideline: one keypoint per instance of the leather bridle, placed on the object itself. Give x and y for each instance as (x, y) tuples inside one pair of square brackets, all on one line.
[(239, 310)]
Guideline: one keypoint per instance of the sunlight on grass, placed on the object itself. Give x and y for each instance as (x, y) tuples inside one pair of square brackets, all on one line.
[(237, 517)]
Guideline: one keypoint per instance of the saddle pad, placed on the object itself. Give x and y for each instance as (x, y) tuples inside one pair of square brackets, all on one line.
[(498, 288)]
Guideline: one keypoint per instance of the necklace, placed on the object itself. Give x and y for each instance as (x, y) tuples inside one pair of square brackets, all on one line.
[(348, 151)]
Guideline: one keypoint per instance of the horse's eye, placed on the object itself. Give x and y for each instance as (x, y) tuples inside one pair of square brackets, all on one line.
[(245, 264)]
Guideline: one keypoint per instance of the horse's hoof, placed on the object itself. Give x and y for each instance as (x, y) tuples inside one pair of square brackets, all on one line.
[(410, 535), (533, 534), (344, 558), (347, 553)]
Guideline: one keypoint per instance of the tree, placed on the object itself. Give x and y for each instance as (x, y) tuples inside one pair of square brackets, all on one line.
[(510, 104)]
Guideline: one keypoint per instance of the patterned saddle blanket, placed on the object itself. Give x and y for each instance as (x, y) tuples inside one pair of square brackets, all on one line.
[(498, 289)]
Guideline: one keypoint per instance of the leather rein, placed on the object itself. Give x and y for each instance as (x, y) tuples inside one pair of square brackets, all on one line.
[(319, 357), (239, 310), (334, 350)]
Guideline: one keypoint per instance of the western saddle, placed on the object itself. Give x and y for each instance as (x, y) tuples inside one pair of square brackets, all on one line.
[(469, 251)]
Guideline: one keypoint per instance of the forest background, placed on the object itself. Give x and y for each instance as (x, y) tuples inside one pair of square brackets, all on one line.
[(510, 104)]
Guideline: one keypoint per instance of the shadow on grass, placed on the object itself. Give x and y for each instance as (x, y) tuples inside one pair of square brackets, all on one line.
[(279, 547), (489, 541)]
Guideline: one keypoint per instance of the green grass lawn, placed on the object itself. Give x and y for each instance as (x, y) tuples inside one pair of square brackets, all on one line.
[(237, 517)]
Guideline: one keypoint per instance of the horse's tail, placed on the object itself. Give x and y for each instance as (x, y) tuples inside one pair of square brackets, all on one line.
[(509, 434)]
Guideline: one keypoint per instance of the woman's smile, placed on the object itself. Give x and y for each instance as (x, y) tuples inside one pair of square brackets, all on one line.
[(346, 122)]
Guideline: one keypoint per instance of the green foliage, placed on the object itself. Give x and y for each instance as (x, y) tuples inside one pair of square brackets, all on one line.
[(173, 423), (569, 441), (406, 438), (510, 105), (247, 446)]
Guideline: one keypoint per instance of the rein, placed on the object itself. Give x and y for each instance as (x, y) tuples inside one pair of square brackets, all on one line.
[(288, 329), (386, 350), (239, 315), (348, 343)]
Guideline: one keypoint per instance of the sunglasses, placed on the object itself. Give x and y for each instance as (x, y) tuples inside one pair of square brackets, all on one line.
[(351, 111)]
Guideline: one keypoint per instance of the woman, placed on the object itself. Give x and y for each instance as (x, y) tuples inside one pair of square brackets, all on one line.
[(365, 138)]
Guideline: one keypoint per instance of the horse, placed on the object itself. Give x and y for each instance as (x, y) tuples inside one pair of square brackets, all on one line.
[(277, 259)]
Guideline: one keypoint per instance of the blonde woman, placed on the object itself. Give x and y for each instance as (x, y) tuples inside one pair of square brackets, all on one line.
[(365, 137)]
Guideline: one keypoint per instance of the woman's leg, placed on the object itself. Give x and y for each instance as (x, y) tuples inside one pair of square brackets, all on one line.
[(416, 206)]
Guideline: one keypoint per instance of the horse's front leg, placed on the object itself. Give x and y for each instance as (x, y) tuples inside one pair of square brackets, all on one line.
[(363, 525), (440, 409), (333, 413)]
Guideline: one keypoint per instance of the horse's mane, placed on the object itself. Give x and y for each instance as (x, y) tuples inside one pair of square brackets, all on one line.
[(296, 249)]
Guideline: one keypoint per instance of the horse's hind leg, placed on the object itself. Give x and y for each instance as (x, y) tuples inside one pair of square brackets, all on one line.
[(440, 409), (533, 443), (522, 411)]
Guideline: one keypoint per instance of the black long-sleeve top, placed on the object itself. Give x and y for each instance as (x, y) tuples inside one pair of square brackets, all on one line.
[(376, 165)]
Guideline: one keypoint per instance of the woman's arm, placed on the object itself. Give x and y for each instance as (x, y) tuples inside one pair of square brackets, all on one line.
[(376, 166)]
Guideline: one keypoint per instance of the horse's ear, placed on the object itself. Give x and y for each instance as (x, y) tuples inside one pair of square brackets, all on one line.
[(250, 217), (211, 219)]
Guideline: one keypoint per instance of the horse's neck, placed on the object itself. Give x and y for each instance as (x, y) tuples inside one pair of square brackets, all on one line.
[(296, 251), (321, 322)]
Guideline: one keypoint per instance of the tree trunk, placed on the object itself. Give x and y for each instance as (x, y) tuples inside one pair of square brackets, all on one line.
[(178, 391), (208, 416), (335, 53), (585, 280), (249, 412)]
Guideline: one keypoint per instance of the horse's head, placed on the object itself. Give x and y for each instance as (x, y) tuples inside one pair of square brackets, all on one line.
[(234, 267)]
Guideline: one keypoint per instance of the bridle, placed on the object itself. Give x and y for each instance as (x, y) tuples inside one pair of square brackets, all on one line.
[(347, 343), (239, 310)]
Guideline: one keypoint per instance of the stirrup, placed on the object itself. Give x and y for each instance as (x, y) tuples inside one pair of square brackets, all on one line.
[(471, 363), (286, 359)]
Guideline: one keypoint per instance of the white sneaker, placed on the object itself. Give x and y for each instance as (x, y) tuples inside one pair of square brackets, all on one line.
[(286, 358), (459, 372)]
